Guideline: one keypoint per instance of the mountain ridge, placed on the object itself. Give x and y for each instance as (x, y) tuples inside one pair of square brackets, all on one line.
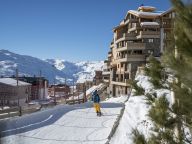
[(52, 69)]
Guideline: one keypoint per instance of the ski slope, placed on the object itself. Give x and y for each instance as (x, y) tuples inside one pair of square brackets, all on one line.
[(64, 124)]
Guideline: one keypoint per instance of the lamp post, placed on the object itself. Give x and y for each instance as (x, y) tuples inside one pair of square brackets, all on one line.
[(55, 102), (17, 87)]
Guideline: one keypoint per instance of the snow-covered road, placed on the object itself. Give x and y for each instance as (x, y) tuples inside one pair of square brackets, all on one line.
[(77, 124)]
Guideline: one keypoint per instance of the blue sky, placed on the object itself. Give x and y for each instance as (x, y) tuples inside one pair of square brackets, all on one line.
[(67, 29)]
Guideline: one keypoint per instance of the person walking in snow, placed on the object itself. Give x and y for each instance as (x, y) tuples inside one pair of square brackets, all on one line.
[(96, 100)]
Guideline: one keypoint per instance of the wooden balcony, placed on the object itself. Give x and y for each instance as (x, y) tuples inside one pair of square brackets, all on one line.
[(126, 36), (131, 58), (106, 73), (132, 46), (120, 71), (137, 26), (112, 45), (148, 34), (132, 20), (106, 80), (109, 55), (125, 82)]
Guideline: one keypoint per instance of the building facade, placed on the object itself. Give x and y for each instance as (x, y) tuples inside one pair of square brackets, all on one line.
[(13, 92), (141, 33), (39, 87), (60, 90), (98, 77)]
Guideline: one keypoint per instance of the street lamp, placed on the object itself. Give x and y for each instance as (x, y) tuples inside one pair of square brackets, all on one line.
[(55, 102)]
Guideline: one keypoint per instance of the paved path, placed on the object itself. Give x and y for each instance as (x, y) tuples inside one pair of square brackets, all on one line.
[(76, 124)]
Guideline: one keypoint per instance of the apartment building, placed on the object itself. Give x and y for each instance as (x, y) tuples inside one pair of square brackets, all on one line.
[(59, 91), (13, 92), (106, 72), (143, 32)]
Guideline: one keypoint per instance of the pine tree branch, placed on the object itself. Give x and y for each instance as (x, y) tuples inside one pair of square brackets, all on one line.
[(180, 118)]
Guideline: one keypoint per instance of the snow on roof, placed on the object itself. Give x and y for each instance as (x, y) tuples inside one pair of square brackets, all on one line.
[(146, 8), (146, 14), (143, 24), (13, 82)]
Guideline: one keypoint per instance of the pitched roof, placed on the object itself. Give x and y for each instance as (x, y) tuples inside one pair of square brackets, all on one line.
[(13, 82), (146, 14)]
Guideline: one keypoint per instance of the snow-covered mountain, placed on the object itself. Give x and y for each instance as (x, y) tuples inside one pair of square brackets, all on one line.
[(50, 68), (80, 71)]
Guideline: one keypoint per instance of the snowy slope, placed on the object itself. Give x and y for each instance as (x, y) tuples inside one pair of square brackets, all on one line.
[(135, 114), (88, 71), (50, 68), (26, 65)]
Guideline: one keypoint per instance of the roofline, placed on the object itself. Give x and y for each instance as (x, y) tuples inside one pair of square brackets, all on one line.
[(141, 16), (119, 26), (28, 84), (20, 83), (169, 10)]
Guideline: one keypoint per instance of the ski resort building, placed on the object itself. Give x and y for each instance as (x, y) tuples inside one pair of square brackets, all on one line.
[(141, 33), (59, 90), (13, 92), (98, 77), (39, 87)]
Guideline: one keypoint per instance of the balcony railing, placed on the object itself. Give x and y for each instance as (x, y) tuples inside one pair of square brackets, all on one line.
[(124, 82), (106, 73), (112, 44), (109, 55), (149, 34), (132, 20), (106, 80), (130, 58), (126, 36), (135, 27), (132, 46)]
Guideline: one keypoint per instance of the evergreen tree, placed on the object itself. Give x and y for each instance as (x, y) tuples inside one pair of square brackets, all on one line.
[(154, 71), (180, 61), (138, 90)]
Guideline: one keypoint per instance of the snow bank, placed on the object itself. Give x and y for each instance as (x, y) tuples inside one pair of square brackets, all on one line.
[(120, 99), (135, 114)]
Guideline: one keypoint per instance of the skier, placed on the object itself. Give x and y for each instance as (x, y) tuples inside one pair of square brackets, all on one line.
[(96, 100)]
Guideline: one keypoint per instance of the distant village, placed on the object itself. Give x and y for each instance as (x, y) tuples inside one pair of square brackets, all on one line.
[(22, 91)]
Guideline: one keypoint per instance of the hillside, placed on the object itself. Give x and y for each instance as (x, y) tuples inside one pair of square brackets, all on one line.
[(50, 68)]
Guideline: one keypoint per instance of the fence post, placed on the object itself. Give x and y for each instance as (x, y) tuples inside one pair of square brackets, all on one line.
[(84, 93), (20, 111)]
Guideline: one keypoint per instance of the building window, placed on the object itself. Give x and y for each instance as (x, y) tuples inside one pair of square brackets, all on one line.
[(137, 52), (127, 76), (150, 40)]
